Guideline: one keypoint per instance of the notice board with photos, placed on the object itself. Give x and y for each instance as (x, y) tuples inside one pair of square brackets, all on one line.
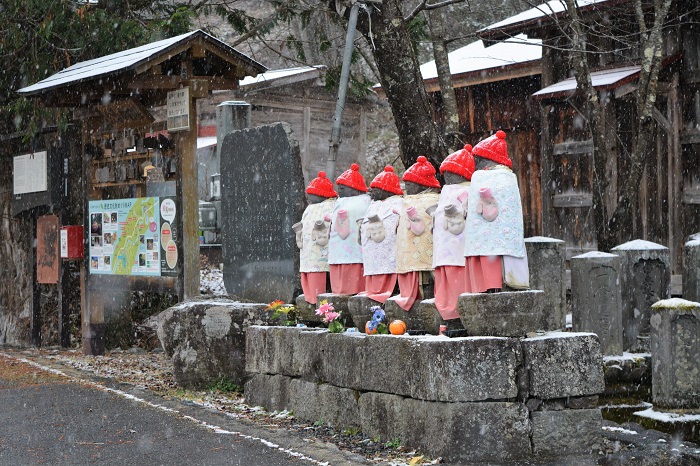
[(136, 237)]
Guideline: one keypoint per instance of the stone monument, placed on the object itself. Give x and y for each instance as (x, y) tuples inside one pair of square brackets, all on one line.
[(262, 197), (546, 259), (645, 278), (596, 299)]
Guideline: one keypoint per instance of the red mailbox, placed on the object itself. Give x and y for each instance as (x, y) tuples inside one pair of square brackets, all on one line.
[(72, 242)]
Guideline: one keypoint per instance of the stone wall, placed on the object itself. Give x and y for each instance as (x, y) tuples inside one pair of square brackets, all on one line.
[(474, 399)]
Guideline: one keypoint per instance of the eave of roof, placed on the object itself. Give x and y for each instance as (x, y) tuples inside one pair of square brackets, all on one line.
[(537, 17), (128, 60), (602, 80)]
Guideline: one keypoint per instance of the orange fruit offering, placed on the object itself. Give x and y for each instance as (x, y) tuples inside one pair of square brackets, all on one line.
[(397, 327), (368, 331)]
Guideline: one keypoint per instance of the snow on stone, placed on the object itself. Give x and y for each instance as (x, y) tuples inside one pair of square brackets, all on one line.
[(627, 357), (639, 244), (619, 429), (675, 303), (593, 254), (476, 57), (667, 417), (543, 239), (211, 282), (549, 335)]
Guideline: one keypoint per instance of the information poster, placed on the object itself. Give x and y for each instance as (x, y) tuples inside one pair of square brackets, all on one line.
[(168, 237), (178, 106), (29, 173), (125, 237)]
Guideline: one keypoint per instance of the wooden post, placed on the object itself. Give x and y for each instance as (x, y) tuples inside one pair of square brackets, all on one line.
[(36, 292), (186, 189)]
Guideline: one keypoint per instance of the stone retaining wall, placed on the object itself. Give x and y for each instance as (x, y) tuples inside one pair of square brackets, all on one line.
[(474, 399)]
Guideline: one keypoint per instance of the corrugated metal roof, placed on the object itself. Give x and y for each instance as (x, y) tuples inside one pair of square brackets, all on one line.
[(476, 57), (125, 60), (602, 79)]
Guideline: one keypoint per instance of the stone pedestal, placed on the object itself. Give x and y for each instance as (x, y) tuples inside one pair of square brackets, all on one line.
[(433, 320), (307, 311), (340, 304), (645, 277), (414, 318), (359, 308), (596, 299), (691, 270), (504, 314), (675, 346), (546, 258)]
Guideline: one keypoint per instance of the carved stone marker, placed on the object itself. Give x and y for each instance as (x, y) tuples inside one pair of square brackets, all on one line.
[(262, 193), (596, 299), (675, 346), (645, 278), (546, 258), (691, 270)]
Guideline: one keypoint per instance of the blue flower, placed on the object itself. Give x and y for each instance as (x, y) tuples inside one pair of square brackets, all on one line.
[(379, 315), (372, 325)]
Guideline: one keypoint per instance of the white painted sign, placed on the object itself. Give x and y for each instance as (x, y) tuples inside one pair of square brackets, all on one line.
[(64, 244), (29, 173), (179, 109)]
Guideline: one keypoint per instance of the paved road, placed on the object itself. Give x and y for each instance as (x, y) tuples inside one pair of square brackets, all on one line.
[(48, 419)]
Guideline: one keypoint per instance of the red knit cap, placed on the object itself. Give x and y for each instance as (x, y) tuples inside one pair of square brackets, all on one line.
[(387, 181), (352, 178), (494, 148), (423, 173), (460, 163), (321, 186)]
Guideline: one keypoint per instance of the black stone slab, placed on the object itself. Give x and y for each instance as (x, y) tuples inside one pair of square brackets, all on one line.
[(262, 196)]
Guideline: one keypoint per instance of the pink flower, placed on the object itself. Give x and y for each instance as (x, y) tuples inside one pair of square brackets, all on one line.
[(324, 308), (331, 316)]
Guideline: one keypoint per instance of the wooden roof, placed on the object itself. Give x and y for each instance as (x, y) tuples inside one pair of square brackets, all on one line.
[(148, 72)]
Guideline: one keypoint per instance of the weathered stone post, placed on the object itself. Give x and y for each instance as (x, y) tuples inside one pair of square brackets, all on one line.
[(691, 269), (645, 278), (596, 298), (546, 259), (675, 346)]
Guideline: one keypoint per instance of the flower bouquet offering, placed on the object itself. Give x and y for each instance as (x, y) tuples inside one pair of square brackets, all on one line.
[(376, 325), (279, 309), (330, 317)]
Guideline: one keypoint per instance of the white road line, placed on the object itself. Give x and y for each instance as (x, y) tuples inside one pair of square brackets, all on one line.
[(206, 425)]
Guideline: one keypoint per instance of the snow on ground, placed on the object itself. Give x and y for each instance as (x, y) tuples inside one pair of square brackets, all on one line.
[(211, 281)]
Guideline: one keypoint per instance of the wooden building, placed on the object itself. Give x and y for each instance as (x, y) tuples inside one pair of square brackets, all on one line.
[(668, 208), (298, 96), (139, 205), (493, 87)]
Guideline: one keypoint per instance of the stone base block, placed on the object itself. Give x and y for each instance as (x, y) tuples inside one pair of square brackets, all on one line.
[(329, 404), (563, 364), (359, 308), (413, 317), (458, 432), (269, 391), (433, 320), (567, 432), (504, 314), (307, 311)]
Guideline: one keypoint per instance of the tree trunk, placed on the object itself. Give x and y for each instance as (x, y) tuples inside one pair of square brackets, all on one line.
[(450, 114), (400, 76)]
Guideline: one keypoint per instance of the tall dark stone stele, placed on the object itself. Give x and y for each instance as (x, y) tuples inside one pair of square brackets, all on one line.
[(262, 195)]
